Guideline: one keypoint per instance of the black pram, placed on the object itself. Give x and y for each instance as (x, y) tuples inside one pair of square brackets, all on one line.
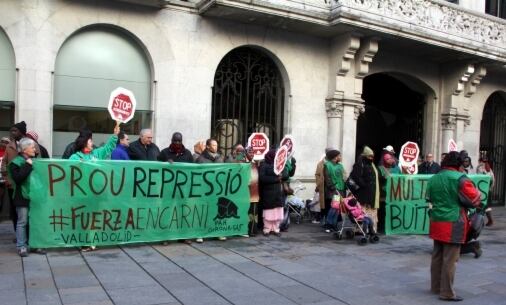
[(472, 245)]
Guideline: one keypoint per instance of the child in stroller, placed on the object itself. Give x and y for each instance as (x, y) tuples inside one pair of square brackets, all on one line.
[(357, 215)]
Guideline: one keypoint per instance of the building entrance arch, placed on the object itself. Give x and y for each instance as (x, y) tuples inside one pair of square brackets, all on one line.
[(493, 143), (395, 112)]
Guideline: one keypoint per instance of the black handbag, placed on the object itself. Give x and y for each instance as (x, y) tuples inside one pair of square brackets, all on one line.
[(352, 185)]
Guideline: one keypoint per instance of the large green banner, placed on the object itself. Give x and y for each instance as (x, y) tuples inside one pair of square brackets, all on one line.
[(117, 202), (406, 210)]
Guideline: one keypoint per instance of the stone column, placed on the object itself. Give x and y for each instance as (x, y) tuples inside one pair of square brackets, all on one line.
[(448, 124), (335, 123), (352, 111)]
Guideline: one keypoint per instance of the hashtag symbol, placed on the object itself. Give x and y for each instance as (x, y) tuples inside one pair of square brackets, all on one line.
[(58, 220)]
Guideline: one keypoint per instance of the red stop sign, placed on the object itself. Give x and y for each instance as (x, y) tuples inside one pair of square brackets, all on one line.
[(410, 152), (280, 160), (259, 142), (122, 105)]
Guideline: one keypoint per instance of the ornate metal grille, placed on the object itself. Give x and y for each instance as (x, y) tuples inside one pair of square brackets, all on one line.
[(248, 97), (493, 143)]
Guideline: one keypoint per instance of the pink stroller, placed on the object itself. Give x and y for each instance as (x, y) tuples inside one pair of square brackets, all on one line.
[(355, 221)]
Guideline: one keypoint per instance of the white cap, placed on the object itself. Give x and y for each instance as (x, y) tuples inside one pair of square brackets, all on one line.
[(389, 148)]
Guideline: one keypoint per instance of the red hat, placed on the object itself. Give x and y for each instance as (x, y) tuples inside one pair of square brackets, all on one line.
[(32, 135)]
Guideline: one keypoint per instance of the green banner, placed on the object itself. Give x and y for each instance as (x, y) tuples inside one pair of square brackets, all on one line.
[(406, 210), (118, 202)]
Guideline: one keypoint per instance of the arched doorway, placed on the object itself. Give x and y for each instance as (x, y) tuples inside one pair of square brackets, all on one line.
[(90, 64), (394, 113), (7, 84), (493, 142), (248, 96)]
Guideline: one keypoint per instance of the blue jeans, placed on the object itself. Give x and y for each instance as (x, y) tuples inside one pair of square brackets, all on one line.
[(21, 227)]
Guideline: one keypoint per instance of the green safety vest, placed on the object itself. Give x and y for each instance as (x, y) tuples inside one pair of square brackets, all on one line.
[(443, 193)]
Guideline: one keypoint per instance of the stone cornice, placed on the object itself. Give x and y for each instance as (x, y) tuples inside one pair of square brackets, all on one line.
[(430, 21)]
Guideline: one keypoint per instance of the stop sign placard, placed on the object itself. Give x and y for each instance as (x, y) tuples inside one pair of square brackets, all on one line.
[(122, 105), (288, 142), (410, 152), (259, 142), (452, 145), (280, 160)]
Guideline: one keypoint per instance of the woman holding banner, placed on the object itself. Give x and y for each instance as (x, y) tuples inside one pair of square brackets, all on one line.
[(86, 152)]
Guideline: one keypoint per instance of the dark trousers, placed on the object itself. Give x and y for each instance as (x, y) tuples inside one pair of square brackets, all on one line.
[(260, 219), (12, 209), (253, 218), (442, 268), (381, 217)]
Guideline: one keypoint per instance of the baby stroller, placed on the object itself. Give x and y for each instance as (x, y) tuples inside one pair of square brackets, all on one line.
[(477, 222), (353, 223), (293, 206)]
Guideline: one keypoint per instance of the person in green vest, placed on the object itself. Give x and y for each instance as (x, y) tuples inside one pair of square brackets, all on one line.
[(451, 193), (19, 171), (85, 151), (334, 174)]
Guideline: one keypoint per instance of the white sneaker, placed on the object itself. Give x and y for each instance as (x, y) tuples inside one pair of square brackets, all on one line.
[(199, 240), (222, 238), (315, 221)]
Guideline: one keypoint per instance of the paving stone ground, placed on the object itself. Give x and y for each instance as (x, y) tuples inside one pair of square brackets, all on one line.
[(304, 266)]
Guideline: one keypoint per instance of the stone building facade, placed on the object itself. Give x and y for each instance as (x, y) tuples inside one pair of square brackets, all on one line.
[(333, 73)]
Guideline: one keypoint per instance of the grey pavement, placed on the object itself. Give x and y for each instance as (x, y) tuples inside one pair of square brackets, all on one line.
[(304, 266)]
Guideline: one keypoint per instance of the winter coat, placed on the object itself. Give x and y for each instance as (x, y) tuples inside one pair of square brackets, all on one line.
[(363, 174), (356, 211), (206, 157), (101, 153), (41, 151), (120, 153), (451, 194), (19, 171), (11, 152), (166, 155), (271, 190), (426, 168), (139, 151), (320, 181), (70, 149)]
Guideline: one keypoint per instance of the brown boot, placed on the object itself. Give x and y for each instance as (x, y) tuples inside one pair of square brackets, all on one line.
[(490, 221)]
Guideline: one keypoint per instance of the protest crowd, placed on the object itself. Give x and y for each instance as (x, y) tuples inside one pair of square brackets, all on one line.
[(358, 195)]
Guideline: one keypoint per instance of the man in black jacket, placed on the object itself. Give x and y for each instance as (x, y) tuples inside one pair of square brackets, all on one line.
[(176, 152), (144, 148), (429, 166)]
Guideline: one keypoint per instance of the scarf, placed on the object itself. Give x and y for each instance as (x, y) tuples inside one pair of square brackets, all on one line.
[(86, 151), (177, 149), (335, 171), (376, 191)]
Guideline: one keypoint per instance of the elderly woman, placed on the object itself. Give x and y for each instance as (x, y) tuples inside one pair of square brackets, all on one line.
[(19, 170)]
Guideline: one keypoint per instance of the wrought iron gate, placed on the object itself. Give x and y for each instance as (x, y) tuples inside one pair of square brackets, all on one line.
[(493, 143), (248, 97)]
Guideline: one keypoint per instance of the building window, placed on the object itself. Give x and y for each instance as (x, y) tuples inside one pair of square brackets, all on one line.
[(6, 117), (248, 96), (496, 8), (90, 64)]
